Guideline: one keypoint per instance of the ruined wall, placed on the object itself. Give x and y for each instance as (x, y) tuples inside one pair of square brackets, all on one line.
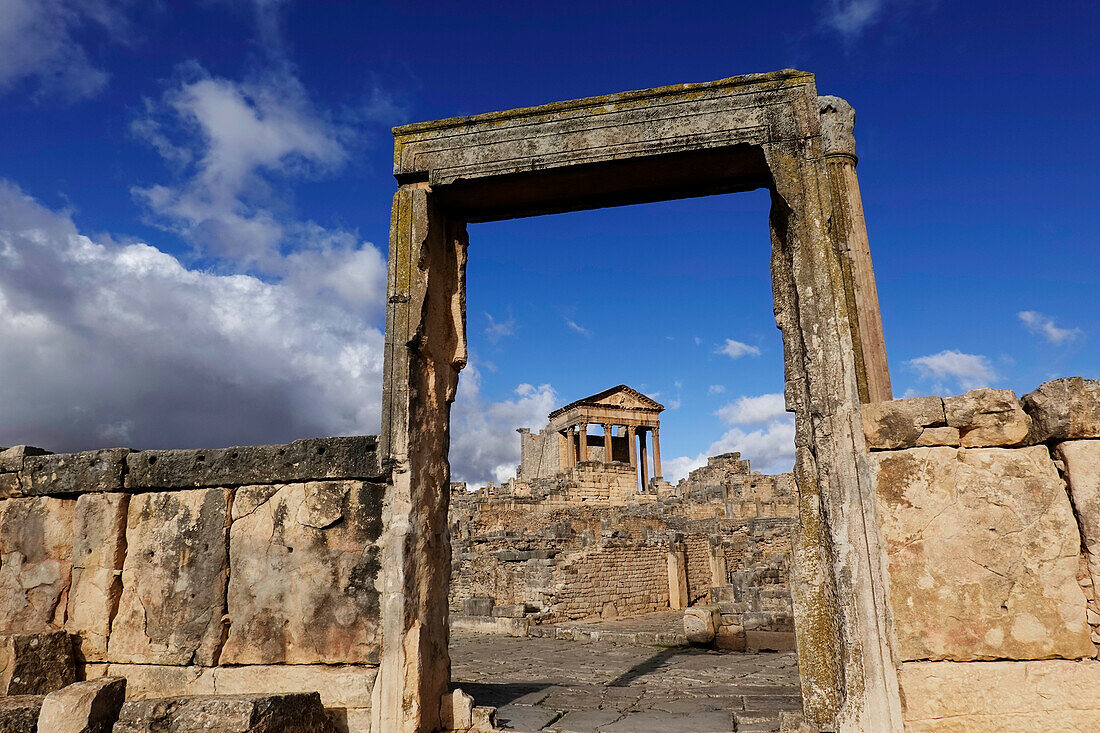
[(989, 510), (188, 572)]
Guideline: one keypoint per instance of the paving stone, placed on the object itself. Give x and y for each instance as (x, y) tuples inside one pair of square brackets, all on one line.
[(584, 721), (654, 721), (525, 718)]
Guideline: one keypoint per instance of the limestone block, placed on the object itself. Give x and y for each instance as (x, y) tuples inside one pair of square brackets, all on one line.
[(983, 554), (899, 423), (322, 534), (987, 417), (340, 686), (701, 623), (99, 548), (36, 541), (19, 713), (11, 459), (1001, 697), (9, 485), (456, 710), (477, 607), (302, 460), (731, 638), (36, 664), (1064, 409), (151, 681), (83, 707), (296, 713), (938, 436), (173, 579), (1082, 461), (74, 473)]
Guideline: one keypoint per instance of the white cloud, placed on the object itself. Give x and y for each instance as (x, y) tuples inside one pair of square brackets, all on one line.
[(969, 371), (484, 442), (574, 326), (121, 343), (757, 410), (770, 445), (38, 44), (736, 349), (852, 17), (497, 330), (716, 389), (1044, 326)]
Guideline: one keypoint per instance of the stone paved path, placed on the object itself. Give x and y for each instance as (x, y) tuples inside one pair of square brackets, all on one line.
[(544, 684)]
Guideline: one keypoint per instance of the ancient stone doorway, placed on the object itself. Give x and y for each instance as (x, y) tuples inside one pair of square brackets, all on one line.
[(743, 133)]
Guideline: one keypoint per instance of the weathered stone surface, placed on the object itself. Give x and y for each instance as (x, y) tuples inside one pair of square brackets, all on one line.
[(296, 713), (99, 548), (1001, 697), (83, 707), (301, 460), (456, 711), (36, 664), (36, 541), (173, 579), (74, 473), (322, 534), (11, 459), (1082, 462), (701, 623), (899, 423), (19, 713), (983, 554), (988, 417), (938, 436), (1064, 409), (731, 638), (9, 485)]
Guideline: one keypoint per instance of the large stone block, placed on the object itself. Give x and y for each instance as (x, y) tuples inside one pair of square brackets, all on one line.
[(701, 623), (83, 707), (36, 664), (900, 423), (99, 548), (19, 713), (74, 473), (1082, 462), (295, 713), (36, 543), (11, 459), (302, 460), (322, 534), (988, 417), (1001, 697), (173, 579), (983, 554), (1064, 409)]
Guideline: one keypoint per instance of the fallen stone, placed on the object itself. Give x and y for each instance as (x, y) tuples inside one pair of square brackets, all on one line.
[(987, 418), (323, 534), (730, 638), (36, 541), (983, 554), (99, 549), (36, 664), (294, 713), (174, 540), (83, 707), (1082, 462), (701, 623), (353, 457), (73, 473), (899, 423), (1064, 409), (456, 710), (19, 713)]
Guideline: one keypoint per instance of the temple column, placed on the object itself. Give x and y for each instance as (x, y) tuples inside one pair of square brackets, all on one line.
[(865, 319), (632, 441), (583, 441), (643, 459), (657, 454), (608, 453)]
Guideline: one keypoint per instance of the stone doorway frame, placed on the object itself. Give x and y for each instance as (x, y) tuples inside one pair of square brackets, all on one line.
[(742, 133)]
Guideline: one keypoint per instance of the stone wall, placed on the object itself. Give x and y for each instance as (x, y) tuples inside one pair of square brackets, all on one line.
[(235, 570), (988, 509)]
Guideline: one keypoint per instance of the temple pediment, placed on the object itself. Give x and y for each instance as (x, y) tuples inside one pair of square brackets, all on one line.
[(621, 397)]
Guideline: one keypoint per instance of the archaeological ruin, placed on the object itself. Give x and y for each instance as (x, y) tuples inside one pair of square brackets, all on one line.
[(933, 560)]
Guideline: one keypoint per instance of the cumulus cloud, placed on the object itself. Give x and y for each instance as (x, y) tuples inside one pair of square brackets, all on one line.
[(759, 428), (1044, 326), (484, 443), (736, 349), (38, 44), (108, 343), (969, 371)]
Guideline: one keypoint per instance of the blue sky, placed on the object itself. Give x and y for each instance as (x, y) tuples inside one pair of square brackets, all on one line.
[(194, 203)]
